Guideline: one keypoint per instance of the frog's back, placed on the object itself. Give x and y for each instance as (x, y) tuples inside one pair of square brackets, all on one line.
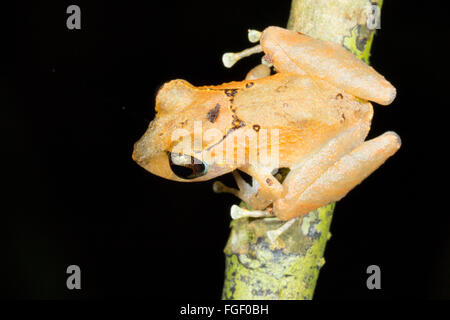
[(307, 112), (291, 100)]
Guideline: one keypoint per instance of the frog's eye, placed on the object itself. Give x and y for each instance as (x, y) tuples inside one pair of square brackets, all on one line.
[(186, 167)]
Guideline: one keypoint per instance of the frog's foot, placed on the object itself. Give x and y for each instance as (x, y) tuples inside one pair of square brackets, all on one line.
[(219, 187), (237, 212), (246, 192), (274, 234), (230, 58)]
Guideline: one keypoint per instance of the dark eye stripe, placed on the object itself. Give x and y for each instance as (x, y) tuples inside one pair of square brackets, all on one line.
[(191, 169)]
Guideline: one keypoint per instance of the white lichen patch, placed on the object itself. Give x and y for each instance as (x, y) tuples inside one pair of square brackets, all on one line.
[(308, 222)]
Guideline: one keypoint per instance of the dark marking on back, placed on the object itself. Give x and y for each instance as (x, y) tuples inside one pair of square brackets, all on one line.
[(256, 127), (281, 88), (213, 113), (231, 92), (342, 114), (339, 96), (237, 123)]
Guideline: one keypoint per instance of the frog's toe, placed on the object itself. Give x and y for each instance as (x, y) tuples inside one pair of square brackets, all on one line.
[(237, 212), (219, 187)]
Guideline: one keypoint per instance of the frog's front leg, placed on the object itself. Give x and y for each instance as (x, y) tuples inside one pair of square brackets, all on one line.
[(246, 192), (310, 187), (269, 188)]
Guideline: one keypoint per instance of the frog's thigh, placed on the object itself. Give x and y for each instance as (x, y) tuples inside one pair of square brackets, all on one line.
[(341, 177), (309, 170)]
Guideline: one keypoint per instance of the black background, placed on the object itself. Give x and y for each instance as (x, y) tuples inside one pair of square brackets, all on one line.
[(73, 102)]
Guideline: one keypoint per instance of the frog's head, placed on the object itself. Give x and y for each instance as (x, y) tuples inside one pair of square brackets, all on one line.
[(161, 150)]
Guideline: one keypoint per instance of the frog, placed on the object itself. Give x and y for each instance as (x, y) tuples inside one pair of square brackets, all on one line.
[(317, 103)]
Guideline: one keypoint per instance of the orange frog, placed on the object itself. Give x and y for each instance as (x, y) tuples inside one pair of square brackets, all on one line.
[(316, 106)]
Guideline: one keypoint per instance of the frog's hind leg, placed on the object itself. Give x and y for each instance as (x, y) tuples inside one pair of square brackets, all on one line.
[(338, 179), (246, 192), (290, 51)]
